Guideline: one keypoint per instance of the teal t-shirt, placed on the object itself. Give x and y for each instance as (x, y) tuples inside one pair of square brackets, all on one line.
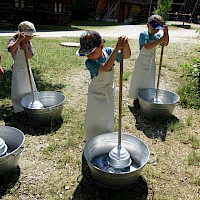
[(94, 65), (145, 36)]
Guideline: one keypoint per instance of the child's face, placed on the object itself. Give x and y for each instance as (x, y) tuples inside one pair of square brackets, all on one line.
[(97, 53), (151, 29)]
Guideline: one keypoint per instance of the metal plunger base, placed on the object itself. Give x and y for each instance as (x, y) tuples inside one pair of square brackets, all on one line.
[(119, 157)]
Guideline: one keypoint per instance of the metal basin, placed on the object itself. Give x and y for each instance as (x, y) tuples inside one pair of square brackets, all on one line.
[(104, 175), (53, 105), (14, 139), (153, 110)]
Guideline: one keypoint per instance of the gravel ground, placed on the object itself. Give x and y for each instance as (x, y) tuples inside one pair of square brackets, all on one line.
[(132, 31)]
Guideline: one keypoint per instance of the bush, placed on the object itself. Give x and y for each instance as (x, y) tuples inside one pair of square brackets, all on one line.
[(189, 91), (163, 8)]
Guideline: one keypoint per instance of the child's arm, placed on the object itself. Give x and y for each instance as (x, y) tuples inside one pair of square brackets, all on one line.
[(155, 43), (20, 41), (24, 46), (13, 47), (1, 69), (164, 39), (121, 43)]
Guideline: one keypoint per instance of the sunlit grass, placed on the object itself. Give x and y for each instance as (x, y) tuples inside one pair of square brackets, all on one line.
[(176, 126), (194, 158)]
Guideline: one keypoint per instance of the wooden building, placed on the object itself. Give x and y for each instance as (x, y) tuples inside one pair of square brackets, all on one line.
[(40, 12), (58, 12), (135, 11), (125, 11)]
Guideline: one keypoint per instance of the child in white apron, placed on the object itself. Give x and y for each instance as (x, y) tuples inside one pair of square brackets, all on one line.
[(20, 85), (144, 73), (1, 69), (99, 116)]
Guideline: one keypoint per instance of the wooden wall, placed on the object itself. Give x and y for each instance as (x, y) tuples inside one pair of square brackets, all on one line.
[(39, 12)]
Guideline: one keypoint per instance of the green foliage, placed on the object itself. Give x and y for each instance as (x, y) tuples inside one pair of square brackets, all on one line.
[(194, 141), (175, 126), (189, 91), (194, 158), (163, 8)]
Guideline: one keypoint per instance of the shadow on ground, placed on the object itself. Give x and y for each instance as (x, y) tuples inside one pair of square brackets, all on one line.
[(88, 189), (24, 123), (9, 183), (5, 82), (152, 129)]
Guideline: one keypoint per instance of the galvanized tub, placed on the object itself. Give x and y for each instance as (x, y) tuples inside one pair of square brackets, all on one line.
[(103, 144), (153, 110), (53, 105), (14, 139)]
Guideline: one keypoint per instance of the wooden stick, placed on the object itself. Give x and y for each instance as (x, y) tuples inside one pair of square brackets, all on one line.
[(120, 99), (29, 75), (159, 69)]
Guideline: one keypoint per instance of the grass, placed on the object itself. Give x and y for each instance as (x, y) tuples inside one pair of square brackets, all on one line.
[(194, 158), (52, 166), (189, 90)]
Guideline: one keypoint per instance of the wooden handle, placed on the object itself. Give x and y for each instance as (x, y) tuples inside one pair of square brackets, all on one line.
[(120, 99), (159, 69), (29, 74)]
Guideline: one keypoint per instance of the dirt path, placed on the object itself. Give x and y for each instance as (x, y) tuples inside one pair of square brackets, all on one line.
[(132, 31)]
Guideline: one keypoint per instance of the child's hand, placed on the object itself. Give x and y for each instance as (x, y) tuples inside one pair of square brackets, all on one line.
[(23, 45), (165, 29), (122, 40), (21, 37), (1, 70)]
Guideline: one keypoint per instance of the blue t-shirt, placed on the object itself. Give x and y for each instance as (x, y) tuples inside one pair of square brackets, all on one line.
[(145, 36), (94, 65)]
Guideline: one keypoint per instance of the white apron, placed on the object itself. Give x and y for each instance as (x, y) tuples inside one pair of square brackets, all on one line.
[(99, 116), (20, 85), (144, 73)]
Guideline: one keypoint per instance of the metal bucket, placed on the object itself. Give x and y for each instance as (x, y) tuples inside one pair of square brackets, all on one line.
[(103, 144), (14, 139), (153, 110), (53, 105)]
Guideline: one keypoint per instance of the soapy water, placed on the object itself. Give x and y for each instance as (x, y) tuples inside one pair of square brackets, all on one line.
[(35, 105), (101, 163)]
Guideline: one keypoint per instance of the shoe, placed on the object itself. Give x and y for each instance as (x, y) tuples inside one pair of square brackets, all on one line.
[(136, 103)]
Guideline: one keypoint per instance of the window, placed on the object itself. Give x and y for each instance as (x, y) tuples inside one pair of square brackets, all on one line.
[(58, 7), (20, 3), (17, 3)]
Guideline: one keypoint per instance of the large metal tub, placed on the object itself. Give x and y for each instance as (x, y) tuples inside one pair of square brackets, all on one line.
[(103, 144), (53, 105), (153, 110), (14, 139)]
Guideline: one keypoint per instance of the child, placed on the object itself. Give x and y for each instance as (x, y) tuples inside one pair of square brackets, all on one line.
[(20, 85), (144, 73), (99, 117), (1, 69)]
